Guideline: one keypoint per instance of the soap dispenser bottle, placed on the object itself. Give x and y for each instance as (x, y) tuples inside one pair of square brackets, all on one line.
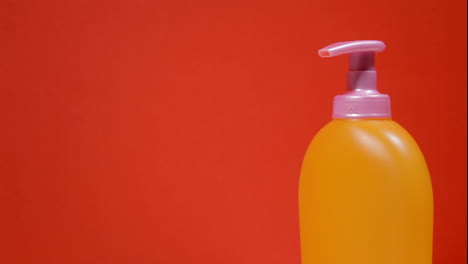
[(365, 194)]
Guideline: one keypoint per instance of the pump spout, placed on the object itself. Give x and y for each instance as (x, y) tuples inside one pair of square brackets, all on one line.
[(347, 47)]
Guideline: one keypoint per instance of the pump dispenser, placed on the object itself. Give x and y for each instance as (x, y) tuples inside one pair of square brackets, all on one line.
[(362, 99), (365, 194)]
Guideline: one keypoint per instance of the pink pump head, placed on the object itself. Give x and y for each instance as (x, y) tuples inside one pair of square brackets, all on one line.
[(362, 99)]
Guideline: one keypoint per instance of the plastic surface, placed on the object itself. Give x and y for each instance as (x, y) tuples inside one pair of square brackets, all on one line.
[(347, 47), (362, 100), (365, 196)]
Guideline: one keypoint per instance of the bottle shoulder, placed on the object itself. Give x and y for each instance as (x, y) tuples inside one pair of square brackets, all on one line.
[(388, 124), (365, 135), (346, 128)]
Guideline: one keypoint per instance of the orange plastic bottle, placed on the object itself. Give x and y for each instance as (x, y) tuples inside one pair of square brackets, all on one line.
[(365, 195)]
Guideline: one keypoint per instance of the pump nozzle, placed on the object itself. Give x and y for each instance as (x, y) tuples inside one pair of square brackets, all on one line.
[(362, 100), (352, 46)]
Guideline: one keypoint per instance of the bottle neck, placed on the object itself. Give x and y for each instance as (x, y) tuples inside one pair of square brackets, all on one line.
[(362, 100)]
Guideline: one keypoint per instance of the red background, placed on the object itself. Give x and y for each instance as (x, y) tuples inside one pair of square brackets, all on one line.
[(173, 131)]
